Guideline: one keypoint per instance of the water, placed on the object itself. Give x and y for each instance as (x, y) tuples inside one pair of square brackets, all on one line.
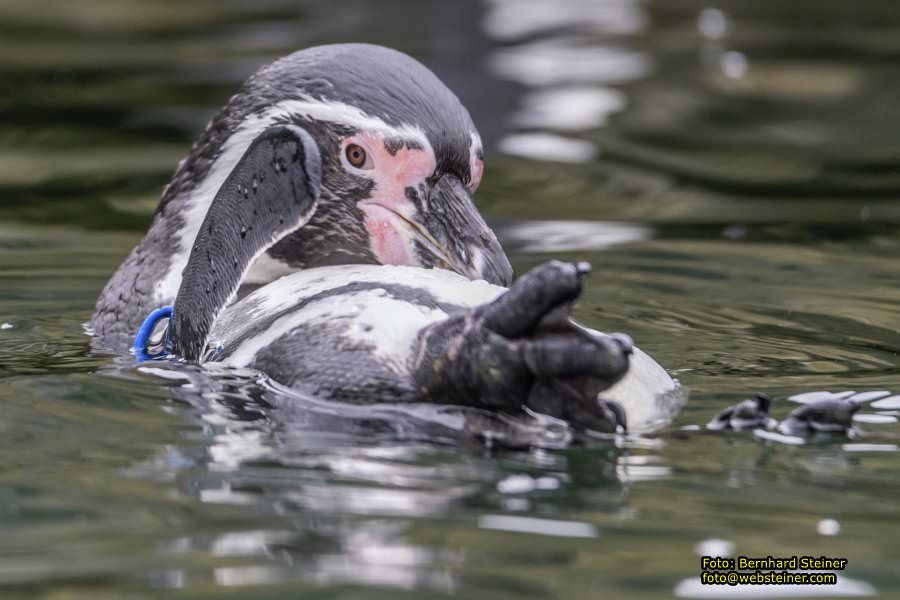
[(730, 170)]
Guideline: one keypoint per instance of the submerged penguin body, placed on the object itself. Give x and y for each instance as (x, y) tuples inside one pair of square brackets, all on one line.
[(354, 333)]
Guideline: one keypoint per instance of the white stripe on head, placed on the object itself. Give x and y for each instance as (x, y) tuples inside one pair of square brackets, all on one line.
[(196, 202)]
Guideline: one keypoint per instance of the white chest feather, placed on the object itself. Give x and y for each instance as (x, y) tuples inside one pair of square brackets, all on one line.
[(370, 317), (331, 296)]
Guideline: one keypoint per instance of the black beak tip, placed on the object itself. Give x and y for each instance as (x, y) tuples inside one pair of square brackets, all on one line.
[(498, 270), (506, 275)]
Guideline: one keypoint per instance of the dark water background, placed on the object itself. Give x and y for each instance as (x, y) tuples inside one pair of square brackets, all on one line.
[(732, 171)]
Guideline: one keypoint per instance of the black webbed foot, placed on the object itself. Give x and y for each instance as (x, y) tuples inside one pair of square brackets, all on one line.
[(749, 414), (522, 350), (832, 415)]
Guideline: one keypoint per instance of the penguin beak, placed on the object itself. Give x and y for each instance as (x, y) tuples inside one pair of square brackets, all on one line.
[(449, 233)]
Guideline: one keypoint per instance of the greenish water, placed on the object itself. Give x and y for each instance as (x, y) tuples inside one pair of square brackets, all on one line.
[(732, 172)]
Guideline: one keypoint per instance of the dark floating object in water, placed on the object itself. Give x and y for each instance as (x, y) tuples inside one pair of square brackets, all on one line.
[(821, 412), (830, 415), (749, 414)]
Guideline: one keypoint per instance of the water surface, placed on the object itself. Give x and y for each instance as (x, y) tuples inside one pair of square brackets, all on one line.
[(731, 171)]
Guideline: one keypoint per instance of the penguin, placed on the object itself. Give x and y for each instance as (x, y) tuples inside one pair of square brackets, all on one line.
[(339, 180)]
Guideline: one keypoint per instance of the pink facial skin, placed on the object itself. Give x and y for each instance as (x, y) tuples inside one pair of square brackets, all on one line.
[(476, 170), (390, 236)]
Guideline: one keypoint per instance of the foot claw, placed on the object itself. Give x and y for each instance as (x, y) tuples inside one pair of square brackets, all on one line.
[(624, 341), (583, 267), (618, 411)]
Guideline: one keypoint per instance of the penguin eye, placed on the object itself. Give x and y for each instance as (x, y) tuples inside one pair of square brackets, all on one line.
[(357, 156)]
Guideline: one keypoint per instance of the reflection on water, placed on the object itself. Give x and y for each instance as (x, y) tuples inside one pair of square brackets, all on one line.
[(730, 170), (567, 81), (345, 479), (568, 236)]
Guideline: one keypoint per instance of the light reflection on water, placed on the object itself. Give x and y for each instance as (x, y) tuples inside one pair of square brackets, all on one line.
[(729, 170), (569, 236), (355, 495), (568, 82)]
